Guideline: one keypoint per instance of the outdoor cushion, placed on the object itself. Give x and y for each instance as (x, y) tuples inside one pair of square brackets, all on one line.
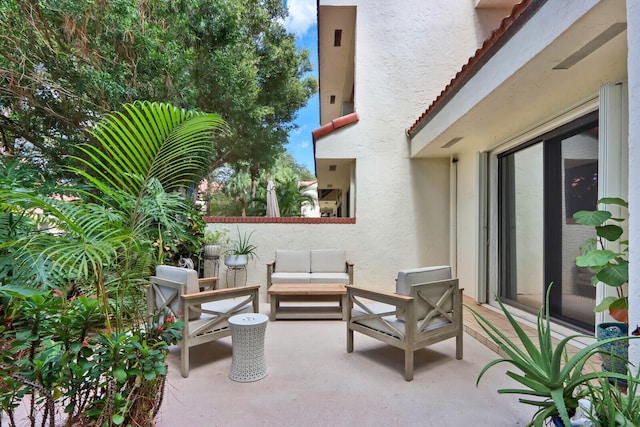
[(330, 278), (406, 278), (290, 277), (328, 261), (222, 306), (391, 325), (292, 261), (180, 275)]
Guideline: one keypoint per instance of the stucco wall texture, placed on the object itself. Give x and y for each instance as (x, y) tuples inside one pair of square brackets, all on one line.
[(404, 57), (633, 66)]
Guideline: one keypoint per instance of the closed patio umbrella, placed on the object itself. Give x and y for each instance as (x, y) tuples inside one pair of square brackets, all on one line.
[(273, 209)]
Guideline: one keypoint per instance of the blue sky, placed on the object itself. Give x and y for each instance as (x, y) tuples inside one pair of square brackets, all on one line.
[(302, 22)]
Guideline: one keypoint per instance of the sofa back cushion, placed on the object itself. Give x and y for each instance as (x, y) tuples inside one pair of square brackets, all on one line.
[(406, 278), (186, 276), (328, 261), (292, 261)]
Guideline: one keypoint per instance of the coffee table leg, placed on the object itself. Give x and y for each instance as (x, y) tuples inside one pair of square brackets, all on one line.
[(274, 306), (344, 305)]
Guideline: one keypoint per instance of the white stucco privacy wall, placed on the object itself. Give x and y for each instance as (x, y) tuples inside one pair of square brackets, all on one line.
[(404, 55), (633, 66)]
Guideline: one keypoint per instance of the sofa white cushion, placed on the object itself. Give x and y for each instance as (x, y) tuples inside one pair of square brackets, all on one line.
[(329, 278), (292, 261), (328, 261), (186, 276), (406, 278), (290, 278)]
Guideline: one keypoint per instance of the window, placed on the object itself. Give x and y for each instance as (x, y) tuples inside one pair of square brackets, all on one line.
[(540, 185)]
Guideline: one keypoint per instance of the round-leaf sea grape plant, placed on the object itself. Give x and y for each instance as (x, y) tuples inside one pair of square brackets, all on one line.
[(76, 340), (610, 267)]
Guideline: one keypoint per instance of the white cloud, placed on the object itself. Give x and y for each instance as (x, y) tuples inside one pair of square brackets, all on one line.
[(302, 15)]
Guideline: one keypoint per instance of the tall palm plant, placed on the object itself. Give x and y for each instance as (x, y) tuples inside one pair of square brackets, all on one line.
[(102, 372), (139, 155)]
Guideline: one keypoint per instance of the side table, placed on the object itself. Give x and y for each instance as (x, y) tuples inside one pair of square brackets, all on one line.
[(247, 343)]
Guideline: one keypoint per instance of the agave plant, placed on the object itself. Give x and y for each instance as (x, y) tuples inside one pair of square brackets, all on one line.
[(551, 380)]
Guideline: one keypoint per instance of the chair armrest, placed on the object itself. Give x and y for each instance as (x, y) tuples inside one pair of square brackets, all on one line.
[(379, 296)]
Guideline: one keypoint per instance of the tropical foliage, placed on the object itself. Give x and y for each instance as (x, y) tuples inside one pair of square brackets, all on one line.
[(610, 267), (244, 195), (64, 63), (72, 301)]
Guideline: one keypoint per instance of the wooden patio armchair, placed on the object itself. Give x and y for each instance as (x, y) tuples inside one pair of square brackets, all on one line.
[(176, 291), (426, 309)]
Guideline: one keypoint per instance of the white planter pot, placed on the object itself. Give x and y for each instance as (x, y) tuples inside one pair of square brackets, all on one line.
[(236, 260), (211, 250)]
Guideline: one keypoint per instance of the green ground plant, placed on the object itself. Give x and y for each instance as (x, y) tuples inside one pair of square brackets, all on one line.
[(551, 379)]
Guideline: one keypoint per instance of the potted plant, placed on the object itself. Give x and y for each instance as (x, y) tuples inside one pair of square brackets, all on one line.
[(241, 251), (612, 406), (551, 380), (213, 242), (610, 267)]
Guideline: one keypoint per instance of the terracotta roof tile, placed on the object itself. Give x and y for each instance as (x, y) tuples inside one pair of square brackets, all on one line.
[(520, 13), (334, 124)]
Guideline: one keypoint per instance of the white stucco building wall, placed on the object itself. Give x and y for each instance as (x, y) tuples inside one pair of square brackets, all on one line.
[(404, 55), (633, 41)]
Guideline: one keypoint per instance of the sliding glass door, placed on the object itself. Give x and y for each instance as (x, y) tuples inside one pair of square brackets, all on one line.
[(541, 185)]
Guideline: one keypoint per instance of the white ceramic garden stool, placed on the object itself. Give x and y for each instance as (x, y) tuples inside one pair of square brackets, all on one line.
[(247, 342)]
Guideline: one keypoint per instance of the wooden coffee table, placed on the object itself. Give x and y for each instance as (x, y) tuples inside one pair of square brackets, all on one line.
[(307, 292)]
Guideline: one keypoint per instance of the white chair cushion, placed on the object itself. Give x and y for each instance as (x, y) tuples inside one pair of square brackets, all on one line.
[(328, 261), (406, 278), (290, 278), (222, 306), (292, 261), (394, 326), (329, 278), (180, 275)]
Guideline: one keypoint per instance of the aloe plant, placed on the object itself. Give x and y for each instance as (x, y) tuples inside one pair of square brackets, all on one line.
[(551, 380)]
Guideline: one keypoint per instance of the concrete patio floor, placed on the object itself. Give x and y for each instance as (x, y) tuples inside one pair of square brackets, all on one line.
[(313, 381)]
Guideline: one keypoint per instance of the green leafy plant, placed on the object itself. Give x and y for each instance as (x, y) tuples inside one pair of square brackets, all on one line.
[(216, 237), (614, 406), (610, 267), (551, 380), (104, 366), (57, 352)]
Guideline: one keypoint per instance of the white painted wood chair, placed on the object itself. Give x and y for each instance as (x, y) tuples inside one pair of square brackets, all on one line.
[(176, 291), (426, 309)]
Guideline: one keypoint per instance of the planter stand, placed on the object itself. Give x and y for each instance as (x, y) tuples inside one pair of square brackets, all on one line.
[(242, 269)]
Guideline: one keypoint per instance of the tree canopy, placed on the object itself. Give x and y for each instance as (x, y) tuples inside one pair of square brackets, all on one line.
[(64, 63)]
